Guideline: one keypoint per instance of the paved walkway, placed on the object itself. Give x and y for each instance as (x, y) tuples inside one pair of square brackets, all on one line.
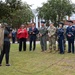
[(38, 42)]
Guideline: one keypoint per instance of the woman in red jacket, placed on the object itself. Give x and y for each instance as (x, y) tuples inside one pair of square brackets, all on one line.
[(22, 34)]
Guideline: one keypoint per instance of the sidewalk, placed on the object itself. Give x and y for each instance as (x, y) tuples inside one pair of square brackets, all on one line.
[(38, 42)]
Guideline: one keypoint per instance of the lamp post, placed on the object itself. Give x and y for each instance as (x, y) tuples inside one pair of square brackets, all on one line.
[(36, 16)]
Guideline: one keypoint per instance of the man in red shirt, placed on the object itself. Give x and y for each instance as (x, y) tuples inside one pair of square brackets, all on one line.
[(22, 34)]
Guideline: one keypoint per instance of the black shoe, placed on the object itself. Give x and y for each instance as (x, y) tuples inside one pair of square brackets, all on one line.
[(42, 51), (72, 52), (24, 50), (8, 65), (61, 52), (33, 49), (69, 52), (50, 51), (30, 49)]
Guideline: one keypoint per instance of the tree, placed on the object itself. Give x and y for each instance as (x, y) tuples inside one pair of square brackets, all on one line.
[(56, 10), (23, 15), (7, 8), (4, 10), (14, 12)]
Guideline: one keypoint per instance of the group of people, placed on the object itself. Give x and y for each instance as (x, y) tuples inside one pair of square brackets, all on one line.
[(60, 35), (52, 34), (23, 34)]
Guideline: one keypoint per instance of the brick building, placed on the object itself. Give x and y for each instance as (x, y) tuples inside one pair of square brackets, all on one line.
[(72, 17)]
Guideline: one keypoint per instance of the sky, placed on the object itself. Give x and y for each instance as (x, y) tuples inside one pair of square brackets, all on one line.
[(34, 3), (37, 3)]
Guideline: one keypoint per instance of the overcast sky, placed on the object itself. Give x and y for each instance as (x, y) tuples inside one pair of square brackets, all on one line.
[(37, 3), (34, 3)]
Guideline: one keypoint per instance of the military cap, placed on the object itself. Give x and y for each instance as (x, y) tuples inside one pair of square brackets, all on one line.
[(61, 23), (5, 24), (70, 21), (43, 22), (51, 23)]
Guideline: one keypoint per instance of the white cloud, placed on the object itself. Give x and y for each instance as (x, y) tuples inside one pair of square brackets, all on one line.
[(73, 1), (34, 3), (37, 3)]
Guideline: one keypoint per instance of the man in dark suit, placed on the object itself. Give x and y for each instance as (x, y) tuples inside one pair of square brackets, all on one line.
[(33, 31), (70, 31)]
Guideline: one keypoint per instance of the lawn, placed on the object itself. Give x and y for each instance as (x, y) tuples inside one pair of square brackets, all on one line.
[(38, 63)]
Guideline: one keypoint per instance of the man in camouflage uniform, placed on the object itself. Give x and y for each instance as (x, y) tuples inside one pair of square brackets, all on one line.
[(52, 37), (1, 37), (43, 37)]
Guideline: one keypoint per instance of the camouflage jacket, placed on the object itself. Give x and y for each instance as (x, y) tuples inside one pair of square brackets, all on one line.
[(51, 31)]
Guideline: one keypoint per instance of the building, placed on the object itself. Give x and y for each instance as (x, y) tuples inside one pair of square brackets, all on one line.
[(38, 21), (72, 17)]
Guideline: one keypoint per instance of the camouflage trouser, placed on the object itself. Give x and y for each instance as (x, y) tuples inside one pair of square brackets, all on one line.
[(52, 43)]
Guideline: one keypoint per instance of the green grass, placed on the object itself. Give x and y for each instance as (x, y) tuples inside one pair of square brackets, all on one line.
[(38, 63)]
